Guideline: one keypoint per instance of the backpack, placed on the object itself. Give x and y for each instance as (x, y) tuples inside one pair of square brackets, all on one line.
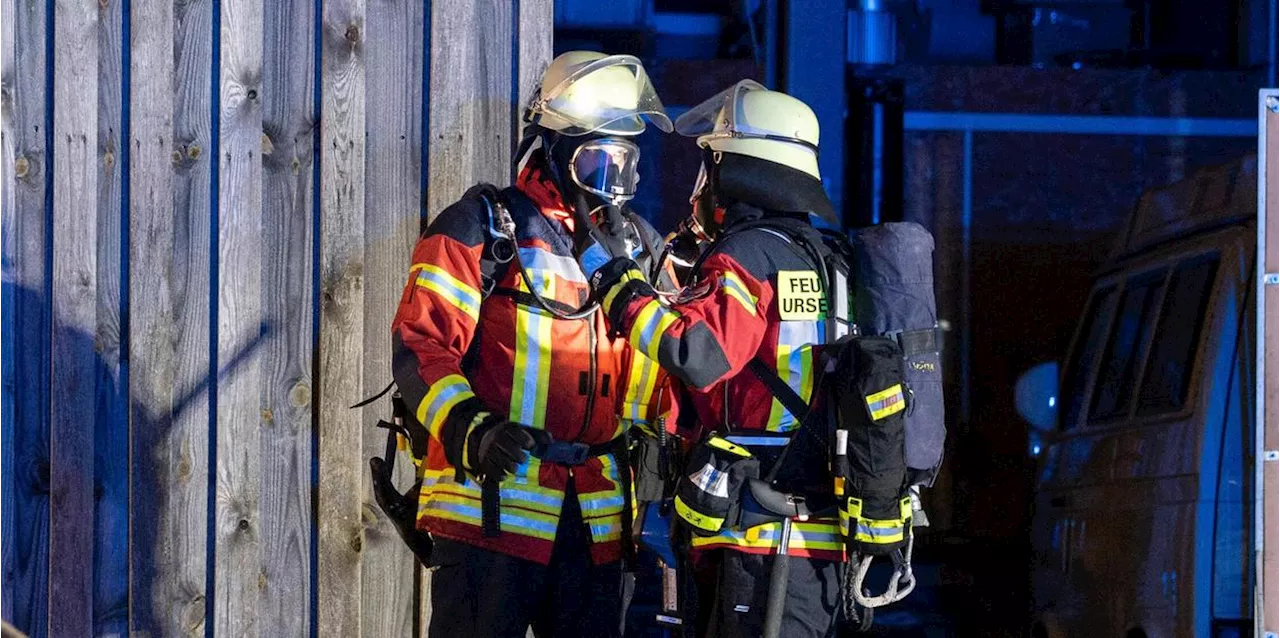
[(882, 380)]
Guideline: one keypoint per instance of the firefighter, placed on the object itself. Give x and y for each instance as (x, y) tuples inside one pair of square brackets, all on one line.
[(755, 298), (526, 397)]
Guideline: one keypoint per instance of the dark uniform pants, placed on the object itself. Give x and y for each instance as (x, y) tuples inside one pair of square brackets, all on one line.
[(477, 593), (742, 596)]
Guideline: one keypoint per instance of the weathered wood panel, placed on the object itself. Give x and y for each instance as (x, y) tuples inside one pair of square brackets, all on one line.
[(288, 144), (74, 362), (341, 343), (238, 569), (8, 295), (471, 106), (170, 172), (111, 514), (393, 197), (534, 31), (25, 95)]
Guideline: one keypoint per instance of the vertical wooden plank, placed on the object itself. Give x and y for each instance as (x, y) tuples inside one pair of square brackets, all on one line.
[(73, 365), (394, 51), (471, 87), (535, 25), (111, 516), (169, 222), (288, 144), (8, 295), (341, 342), (27, 133), (1269, 352), (238, 577)]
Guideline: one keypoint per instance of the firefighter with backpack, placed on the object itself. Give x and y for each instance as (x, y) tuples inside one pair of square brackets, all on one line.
[(516, 398), (800, 421)]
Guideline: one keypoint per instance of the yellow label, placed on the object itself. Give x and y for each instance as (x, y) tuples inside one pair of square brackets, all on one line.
[(800, 296)]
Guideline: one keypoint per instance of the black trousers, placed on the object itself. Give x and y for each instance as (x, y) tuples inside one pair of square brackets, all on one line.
[(477, 593), (741, 596)]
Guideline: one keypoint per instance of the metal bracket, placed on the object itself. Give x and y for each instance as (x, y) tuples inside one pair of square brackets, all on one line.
[(1271, 279), (1271, 455), (1273, 103)]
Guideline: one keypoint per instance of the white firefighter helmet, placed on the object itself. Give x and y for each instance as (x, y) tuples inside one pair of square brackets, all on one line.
[(586, 92), (749, 119)]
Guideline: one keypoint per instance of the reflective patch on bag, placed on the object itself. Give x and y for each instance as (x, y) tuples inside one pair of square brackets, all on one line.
[(711, 481), (800, 296), (742, 609), (697, 519), (886, 402)]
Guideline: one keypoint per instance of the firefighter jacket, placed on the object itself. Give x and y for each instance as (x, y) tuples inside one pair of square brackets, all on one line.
[(757, 295), (455, 341)]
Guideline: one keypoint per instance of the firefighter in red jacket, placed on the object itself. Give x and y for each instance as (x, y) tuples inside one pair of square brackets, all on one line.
[(525, 395), (755, 298)]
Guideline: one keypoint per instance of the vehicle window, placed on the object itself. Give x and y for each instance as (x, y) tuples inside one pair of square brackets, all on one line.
[(1168, 374), (1076, 376), (1113, 391)]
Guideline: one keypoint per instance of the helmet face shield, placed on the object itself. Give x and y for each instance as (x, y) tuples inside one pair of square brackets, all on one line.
[(703, 119), (607, 167), (612, 95), (722, 117)]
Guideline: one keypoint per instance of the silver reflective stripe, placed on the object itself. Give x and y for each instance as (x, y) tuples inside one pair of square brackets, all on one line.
[(564, 267), (767, 441)]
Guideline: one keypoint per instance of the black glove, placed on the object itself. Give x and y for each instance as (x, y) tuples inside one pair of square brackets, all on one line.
[(598, 244), (496, 447)]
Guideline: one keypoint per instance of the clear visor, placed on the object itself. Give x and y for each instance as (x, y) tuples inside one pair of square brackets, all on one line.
[(699, 184), (612, 95), (721, 117), (703, 118), (607, 167)]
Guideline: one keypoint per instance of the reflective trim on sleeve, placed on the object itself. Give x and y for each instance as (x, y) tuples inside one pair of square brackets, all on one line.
[(652, 321), (735, 288), (449, 288), (630, 275), (441, 397)]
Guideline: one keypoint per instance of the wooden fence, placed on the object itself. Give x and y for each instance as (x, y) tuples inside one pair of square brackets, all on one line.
[(208, 210)]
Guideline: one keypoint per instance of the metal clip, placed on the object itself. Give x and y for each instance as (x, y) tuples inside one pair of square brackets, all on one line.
[(1271, 278)]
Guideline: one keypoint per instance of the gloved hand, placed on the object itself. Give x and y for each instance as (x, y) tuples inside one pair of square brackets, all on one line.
[(598, 244), (495, 447)]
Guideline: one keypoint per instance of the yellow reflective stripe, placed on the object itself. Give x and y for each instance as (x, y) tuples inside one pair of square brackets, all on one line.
[(875, 531), (795, 366), (696, 519), (642, 379), (441, 397), (724, 444), (734, 287), (809, 535), (464, 509), (630, 275), (450, 288), (650, 324), (532, 372), (886, 402)]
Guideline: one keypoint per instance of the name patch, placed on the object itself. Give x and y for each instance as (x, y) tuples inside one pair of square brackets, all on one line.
[(800, 296)]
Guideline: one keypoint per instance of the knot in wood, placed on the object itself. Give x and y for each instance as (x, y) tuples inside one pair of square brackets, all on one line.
[(109, 159), (193, 152), (243, 525), (21, 167), (353, 34), (252, 94), (357, 542), (268, 147), (300, 395)]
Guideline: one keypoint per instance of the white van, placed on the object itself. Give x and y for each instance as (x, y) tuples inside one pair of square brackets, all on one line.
[(1144, 505)]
